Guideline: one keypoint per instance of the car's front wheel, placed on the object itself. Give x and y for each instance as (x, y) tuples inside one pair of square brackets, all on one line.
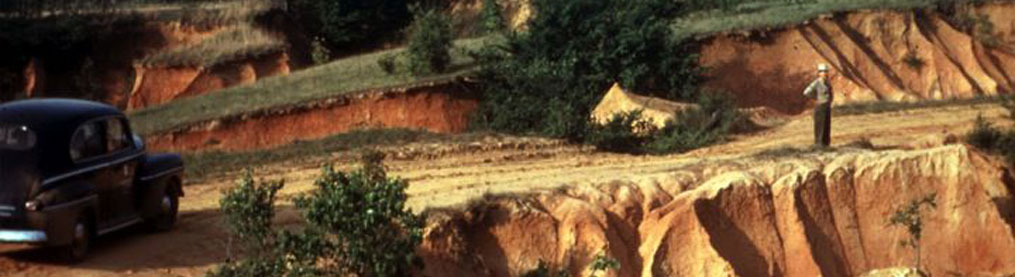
[(81, 240), (169, 205)]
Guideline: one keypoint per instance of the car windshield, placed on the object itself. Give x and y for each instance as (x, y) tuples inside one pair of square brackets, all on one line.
[(18, 138)]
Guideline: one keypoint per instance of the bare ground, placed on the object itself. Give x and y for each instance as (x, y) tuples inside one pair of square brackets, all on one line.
[(199, 242)]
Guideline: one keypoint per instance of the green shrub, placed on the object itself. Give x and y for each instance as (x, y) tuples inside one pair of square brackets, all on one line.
[(375, 235), (543, 270), (344, 24), (620, 134), (604, 263), (388, 63), (248, 208), (913, 61), (546, 80), (429, 49), (356, 224), (491, 17), (984, 135), (319, 53)]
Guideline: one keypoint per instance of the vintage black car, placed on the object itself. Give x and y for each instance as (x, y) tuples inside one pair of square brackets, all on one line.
[(71, 170)]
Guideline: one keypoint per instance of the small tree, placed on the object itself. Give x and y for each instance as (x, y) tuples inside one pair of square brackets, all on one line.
[(909, 216), (430, 36)]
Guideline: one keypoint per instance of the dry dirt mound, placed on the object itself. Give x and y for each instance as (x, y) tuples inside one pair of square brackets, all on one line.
[(806, 217), (876, 55), (617, 100)]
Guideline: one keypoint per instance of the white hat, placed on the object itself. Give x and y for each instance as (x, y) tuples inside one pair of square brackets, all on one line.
[(822, 67)]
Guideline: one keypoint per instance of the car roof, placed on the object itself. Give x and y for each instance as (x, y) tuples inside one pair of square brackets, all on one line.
[(51, 114)]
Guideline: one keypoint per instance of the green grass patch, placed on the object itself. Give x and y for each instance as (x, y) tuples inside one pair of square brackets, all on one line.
[(779, 13), (343, 76), (200, 166), (890, 106), (234, 43)]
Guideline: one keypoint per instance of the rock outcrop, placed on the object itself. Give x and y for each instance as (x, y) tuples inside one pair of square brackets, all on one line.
[(876, 55), (824, 216)]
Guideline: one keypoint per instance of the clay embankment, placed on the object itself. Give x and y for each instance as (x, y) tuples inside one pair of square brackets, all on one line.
[(159, 85), (876, 55), (800, 217), (440, 107), (120, 81)]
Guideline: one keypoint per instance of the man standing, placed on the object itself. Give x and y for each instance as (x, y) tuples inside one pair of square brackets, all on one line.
[(821, 91)]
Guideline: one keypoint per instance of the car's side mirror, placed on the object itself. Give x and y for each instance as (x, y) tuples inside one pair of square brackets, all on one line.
[(138, 141)]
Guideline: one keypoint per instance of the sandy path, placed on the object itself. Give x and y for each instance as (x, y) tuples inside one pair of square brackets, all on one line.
[(199, 242)]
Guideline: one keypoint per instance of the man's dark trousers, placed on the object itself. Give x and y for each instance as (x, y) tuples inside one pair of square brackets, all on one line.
[(823, 124)]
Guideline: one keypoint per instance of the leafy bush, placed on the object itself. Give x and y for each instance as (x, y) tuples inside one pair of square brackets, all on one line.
[(913, 61), (620, 134), (356, 224), (248, 209), (429, 48), (490, 17), (388, 63), (546, 80), (343, 23), (984, 135), (715, 116), (374, 233), (993, 139)]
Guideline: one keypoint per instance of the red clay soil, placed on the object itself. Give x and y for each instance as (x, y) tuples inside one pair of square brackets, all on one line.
[(876, 55), (160, 85), (825, 216), (442, 108)]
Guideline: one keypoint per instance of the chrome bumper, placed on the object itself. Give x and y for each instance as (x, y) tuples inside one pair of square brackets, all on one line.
[(22, 236)]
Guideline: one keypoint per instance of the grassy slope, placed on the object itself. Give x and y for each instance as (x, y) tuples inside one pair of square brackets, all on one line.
[(361, 72), (339, 77)]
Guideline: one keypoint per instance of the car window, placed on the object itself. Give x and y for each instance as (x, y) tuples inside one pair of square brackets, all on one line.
[(116, 135), (88, 141)]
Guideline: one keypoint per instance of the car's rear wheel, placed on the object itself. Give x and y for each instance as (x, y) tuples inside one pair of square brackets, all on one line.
[(81, 241), (169, 205)]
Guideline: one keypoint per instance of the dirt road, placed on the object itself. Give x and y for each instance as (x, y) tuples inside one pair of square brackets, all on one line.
[(199, 242)]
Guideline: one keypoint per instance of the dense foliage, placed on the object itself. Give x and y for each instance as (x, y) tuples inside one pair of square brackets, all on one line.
[(998, 140), (546, 80), (341, 23), (356, 224), (430, 37)]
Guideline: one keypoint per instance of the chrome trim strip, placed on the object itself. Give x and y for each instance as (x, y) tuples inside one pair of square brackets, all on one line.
[(60, 177), (120, 226), (164, 173), (71, 203), (6, 208), (22, 236)]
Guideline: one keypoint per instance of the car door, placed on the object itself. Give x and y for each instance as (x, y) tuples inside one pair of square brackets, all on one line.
[(89, 153), (123, 167)]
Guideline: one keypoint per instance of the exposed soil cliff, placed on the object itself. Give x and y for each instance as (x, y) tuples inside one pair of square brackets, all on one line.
[(160, 85), (876, 55), (801, 217), (440, 107)]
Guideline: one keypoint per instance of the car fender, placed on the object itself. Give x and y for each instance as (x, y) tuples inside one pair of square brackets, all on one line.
[(154, 174)]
